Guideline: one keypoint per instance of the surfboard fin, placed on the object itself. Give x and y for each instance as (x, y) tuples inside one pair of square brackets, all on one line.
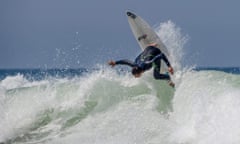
[(142, 37)]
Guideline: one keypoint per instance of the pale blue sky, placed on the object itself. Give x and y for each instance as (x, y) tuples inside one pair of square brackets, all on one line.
[(81, 33)]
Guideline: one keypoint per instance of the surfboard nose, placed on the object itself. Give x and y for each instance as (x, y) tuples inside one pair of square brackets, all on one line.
[(130, 14)]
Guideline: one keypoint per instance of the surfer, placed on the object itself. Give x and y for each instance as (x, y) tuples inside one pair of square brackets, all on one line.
[(150, 57)]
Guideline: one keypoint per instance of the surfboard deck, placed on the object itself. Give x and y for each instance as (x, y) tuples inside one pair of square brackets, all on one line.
[(145, 35)]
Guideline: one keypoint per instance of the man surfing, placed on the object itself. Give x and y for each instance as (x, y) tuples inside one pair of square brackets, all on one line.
[(150, 57)]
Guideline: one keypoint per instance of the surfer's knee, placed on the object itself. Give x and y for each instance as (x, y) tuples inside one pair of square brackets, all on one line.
[(159, 76)]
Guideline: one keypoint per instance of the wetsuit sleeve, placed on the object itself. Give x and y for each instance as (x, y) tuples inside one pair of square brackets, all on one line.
[(165, 60), (125, 62)]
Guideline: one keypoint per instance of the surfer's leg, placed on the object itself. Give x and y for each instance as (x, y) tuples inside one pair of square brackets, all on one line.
[(158, 75), (156, 70)]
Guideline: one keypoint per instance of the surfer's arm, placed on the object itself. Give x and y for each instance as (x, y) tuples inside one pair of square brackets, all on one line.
[(170, 69), (121, 62), (165, 60), (125, 62)]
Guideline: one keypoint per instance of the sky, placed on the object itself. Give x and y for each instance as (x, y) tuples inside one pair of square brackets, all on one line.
[(84, 33)]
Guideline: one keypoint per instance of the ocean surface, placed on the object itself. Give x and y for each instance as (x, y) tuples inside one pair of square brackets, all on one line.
[(109, 106)]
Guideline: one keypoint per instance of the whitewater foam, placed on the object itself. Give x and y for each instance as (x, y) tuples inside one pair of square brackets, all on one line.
[(205, 105), (105, 107)]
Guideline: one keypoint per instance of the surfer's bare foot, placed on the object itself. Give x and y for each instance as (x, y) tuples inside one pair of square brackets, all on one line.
[(171, 83)]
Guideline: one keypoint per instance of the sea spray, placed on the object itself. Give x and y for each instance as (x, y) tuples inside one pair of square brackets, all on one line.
[(175, 41)]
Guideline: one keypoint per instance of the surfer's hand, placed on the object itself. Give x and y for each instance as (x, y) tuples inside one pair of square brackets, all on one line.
[(170, 69), (112, 63)]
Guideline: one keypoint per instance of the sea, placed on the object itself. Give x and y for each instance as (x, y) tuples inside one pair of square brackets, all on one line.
[(105, 105)]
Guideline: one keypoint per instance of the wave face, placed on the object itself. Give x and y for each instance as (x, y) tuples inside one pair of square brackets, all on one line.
[(109, 107)]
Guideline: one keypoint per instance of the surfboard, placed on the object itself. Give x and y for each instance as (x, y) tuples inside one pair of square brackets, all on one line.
[(145, 35)]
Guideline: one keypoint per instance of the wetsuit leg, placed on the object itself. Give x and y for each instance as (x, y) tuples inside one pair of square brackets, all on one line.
[(158, 75)]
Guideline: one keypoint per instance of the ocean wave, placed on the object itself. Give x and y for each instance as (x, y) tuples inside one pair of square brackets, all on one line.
[(105, 106), (109, 106)]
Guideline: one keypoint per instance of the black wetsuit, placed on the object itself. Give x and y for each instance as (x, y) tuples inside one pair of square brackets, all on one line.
[(150, 57)]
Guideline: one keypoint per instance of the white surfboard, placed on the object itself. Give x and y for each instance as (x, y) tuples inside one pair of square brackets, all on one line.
[(145, 36)]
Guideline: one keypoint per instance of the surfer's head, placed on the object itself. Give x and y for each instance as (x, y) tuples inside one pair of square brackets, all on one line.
[(137, 72)]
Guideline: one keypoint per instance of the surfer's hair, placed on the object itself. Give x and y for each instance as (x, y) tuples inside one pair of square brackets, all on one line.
[(136, 70)]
